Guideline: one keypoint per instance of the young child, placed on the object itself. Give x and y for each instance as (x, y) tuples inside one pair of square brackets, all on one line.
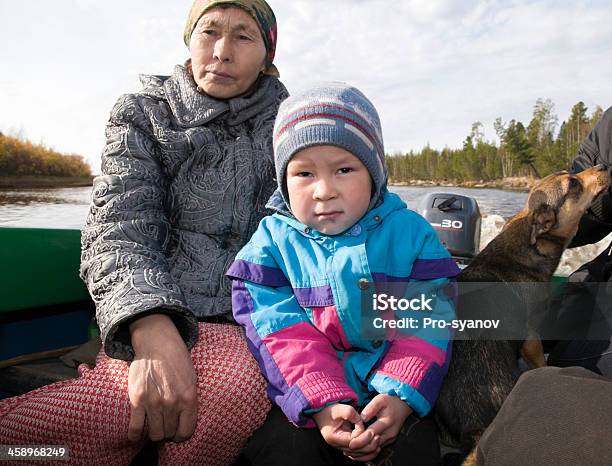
[(297, 292)]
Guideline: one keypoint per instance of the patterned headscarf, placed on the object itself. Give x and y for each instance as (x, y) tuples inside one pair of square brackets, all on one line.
[(258, 9)]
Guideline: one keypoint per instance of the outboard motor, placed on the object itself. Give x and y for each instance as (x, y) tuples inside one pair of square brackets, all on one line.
[(456, 219)]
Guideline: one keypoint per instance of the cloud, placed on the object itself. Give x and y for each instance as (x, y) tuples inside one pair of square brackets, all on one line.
[(431, 67)]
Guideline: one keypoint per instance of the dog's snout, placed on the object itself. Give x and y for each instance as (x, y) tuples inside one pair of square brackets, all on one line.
[(602, 168), (600, 174)]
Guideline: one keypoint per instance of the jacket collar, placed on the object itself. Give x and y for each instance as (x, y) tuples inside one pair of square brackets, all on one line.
[(192, 108), (372, 218)]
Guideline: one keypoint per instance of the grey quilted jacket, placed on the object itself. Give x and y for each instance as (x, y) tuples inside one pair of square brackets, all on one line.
[(184, 182)]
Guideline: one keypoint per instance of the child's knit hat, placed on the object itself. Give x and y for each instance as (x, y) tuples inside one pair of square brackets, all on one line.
[(331, 114)]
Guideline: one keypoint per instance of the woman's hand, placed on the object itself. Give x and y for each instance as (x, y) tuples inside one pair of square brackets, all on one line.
[(161, 382), (390, 413), (340, 424)]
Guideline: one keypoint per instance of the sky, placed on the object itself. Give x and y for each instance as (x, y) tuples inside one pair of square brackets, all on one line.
[(431, 67)]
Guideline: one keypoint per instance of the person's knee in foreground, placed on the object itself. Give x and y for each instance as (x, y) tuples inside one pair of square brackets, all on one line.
[(553, 415), (175, 368), (298, 286)]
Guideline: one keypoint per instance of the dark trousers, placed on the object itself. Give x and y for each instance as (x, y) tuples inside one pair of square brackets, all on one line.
[(585, 316), (595, 355), (278, 442)]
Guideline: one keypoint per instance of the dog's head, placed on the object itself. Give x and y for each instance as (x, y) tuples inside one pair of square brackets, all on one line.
[(557, 202)]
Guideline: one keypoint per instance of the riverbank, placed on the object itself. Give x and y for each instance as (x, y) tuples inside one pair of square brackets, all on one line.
[(521, 183), (21, 182)]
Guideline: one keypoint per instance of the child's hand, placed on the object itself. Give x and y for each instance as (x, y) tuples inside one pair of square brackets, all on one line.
[(390, 413), (341, 425), (364, 445), (336, 424)]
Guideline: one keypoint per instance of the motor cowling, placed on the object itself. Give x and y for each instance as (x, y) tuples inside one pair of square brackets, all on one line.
[(456, 219)]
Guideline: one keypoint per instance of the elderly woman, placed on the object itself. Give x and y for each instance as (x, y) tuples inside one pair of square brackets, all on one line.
[(186, 172)]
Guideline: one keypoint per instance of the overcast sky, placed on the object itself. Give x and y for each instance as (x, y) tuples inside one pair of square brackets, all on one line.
[(431, 67)]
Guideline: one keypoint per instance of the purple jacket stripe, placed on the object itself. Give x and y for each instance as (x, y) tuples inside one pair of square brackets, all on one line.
[(427, 269), (291, 401), (243, 308), (432, 380), (314, 297), (293, 404), (260, 274)]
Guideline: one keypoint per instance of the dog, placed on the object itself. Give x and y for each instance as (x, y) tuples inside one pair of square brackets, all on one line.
[(482, 371)]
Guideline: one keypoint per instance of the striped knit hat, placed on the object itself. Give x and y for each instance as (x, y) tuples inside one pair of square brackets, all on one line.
[(333, 114)]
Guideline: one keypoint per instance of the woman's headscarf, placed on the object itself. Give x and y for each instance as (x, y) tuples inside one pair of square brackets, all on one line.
[(258, 9)]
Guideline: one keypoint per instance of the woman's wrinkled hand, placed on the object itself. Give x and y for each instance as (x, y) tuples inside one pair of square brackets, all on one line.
[(161, 382)]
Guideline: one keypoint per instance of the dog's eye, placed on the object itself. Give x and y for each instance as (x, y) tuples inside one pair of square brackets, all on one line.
[(574, 184)]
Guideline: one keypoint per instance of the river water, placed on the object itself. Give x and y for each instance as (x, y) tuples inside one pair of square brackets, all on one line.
[(44, 208), (68, 207)]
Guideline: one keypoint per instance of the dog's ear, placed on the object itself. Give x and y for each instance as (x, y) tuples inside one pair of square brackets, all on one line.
[(542, 220)]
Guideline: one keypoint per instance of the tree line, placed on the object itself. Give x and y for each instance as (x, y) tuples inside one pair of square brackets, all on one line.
[(535, 149), (23, 158)]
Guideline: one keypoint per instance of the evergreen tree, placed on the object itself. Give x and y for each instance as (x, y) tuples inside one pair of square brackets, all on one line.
[(522, 150)]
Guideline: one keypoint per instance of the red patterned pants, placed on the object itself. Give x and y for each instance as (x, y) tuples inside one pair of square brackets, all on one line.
[(90, 414)]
